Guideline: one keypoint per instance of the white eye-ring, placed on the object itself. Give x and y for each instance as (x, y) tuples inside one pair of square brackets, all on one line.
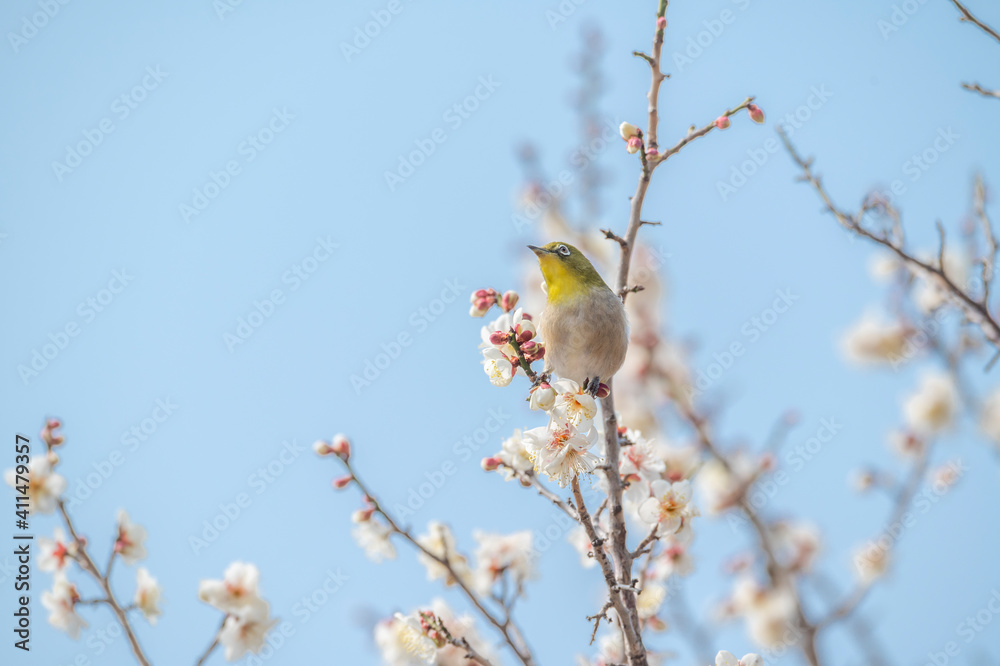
[(563, 250)]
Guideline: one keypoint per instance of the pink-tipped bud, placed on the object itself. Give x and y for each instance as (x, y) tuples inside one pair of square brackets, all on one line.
[(341, 446), (509, 300), (537, 352), (524, 336), (603, 391), (756, 114), (499, 338), (661, 22), (528, 346), (633, 145), (342, 482), (363, 515), (722, 122), (652, 154), (491, 464), (322, 448), (480, 294), (526, 316)]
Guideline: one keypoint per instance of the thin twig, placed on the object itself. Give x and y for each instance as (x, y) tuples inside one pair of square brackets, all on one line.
[(968, 17)]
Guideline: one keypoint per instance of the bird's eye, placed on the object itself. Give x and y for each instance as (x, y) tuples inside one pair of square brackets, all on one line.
[(563, 250)]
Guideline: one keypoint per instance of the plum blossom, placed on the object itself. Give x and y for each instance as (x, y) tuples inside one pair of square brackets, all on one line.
[(54, 552), (418, 638), (246, 632), (147, 595), (504, 553), (373, 538), (871, 562), (931, 291), (131, 539), (44, 485), (989, 418), (650, 599), (873, 340), (61, 601), (236, 593), (515, 456), (675, 559), (726, 658), (573, 404), (932, 408), (498, 367), (668, 506), (441, 542), (561, 451)]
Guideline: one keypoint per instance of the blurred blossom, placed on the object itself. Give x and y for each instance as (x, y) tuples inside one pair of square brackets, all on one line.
[(932, 408)]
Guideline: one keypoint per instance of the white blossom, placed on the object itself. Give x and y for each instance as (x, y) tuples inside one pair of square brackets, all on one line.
[(873, 340), (237, 593), (53, 553), (504, 553), (373, 537), (561, 451), (573, 404), (147, 595), (515, 455), (246, 632), (44, 485), (871, 562), (60, 601), (441, 542), (499, 368), (932, 408), (131, 539), (668, 506)]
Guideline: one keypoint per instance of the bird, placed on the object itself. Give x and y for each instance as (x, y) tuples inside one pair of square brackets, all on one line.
[(583, 326)]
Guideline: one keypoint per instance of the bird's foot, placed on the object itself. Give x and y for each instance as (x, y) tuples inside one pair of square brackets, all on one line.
[(592, 386)]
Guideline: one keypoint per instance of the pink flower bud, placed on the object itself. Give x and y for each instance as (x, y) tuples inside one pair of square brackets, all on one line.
[(526, 316), (491, 464), (603, 391), (341, 446), (756, 114), (661, 22), (722, 122), (363, 515), (628, 131), (652, 154), (342, 482), (499, 338), (524, 336), (528, 346), (322, 448), (633, 145), (509, 300)]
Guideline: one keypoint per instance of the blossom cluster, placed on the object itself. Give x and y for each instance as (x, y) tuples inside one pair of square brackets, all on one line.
[(507, 339), (248, 617)]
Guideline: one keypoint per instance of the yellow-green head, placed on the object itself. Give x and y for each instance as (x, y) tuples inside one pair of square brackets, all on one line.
[(568, 273)]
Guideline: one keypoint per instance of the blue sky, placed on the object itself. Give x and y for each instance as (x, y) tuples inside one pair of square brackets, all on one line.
[(280, 138)]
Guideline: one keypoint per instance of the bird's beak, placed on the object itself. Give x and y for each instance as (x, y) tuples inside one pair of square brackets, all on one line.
[(538, 250)]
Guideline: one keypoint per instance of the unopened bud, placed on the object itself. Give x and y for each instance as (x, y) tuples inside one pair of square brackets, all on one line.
[(652, 154), (491, 464), (342, 482), (363, 515), (628, 131), (52, 458), (524, 336), (322, 448), (756, 114), (499, 338), (509, 300), (722, 122), (633, 145), (341, 446), (603, 391), (661, 22)]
